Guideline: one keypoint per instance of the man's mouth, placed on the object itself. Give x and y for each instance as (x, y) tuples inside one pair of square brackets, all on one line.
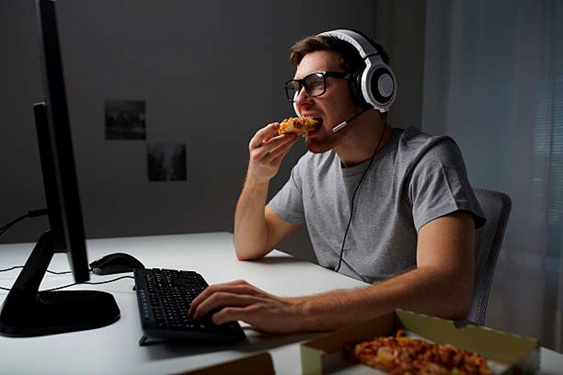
[(319, 123), (317, 127)]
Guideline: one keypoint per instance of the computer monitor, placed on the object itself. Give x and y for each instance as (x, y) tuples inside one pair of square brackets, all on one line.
[(26, 310)]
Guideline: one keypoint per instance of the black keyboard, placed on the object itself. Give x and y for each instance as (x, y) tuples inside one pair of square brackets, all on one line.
[(164, 297)]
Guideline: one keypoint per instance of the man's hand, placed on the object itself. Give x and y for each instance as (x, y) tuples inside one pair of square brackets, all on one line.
[(239, 300), (267, 151), (258, 230)]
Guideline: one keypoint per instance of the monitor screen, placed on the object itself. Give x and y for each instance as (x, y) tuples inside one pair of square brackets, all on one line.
[(26, 310)]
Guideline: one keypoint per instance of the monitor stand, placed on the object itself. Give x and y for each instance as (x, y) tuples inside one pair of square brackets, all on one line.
[(28, 312)]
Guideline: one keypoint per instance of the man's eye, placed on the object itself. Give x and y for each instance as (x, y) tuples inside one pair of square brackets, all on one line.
[(316, 84), (293, 86)]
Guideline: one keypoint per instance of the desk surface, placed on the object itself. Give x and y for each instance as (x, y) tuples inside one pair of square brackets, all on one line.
[(114, 349)]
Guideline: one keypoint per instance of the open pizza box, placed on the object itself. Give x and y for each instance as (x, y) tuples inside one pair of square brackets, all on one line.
[(507, 353)]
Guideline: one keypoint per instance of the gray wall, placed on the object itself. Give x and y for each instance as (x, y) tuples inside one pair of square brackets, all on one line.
[(211, 73), (401, 29)]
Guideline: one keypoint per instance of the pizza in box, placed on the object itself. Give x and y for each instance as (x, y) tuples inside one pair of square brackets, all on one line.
[(402, 354)]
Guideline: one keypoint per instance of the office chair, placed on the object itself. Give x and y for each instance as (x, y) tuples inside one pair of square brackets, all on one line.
[(496, 207)]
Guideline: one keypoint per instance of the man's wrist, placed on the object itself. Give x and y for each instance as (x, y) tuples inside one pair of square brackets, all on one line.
[(256, 183), (299, 316)]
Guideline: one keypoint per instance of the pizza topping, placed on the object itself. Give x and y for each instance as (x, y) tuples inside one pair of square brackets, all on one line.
[(406, 355), (297, 125)]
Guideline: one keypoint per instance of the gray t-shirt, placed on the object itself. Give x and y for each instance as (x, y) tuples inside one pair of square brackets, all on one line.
[(414, 179)]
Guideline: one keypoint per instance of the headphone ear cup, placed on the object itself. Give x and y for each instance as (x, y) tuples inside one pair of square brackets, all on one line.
[(374, 85), (356, 89), (381, 86)]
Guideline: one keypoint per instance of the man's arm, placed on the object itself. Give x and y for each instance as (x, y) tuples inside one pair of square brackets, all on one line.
[(441, 285), (257, 228)]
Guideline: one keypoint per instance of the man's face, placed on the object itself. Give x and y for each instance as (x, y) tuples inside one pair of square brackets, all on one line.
[(331, 108)]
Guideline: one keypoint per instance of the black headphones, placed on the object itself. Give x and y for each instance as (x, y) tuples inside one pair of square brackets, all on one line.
[(375, 85)]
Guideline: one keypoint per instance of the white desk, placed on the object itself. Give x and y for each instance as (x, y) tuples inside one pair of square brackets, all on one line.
[(114, 349)]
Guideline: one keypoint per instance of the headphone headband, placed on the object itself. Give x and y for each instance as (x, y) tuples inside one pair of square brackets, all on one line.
[(364, 47)]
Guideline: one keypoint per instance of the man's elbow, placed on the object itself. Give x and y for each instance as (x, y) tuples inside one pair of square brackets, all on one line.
[(246, 255), (462, 308), (460, 298)]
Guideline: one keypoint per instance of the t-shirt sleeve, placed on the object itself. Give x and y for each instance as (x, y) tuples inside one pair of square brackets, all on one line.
[(287, 204), (440, 186)]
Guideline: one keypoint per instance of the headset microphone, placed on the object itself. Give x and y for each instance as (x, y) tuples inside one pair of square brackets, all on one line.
[(345, 123)]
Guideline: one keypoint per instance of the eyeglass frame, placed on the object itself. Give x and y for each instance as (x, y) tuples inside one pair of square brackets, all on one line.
[(301, 83)]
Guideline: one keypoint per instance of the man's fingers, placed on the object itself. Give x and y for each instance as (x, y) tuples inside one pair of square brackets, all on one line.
[(219, 295), (263, 135), (220, 300), (232, 313), (272, 155)]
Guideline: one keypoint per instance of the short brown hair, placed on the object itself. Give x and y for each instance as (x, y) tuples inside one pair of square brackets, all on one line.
[(350, 59)]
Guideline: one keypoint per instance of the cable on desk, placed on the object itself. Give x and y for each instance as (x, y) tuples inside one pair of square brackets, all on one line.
[(89, 283), (10, 269), (48, 271), (69, 285), (29, 214)]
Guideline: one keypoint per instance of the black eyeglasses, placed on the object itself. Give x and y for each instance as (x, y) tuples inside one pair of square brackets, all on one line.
[(314, 83)]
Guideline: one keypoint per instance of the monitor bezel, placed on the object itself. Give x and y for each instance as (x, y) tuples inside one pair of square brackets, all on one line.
[(59, 173)]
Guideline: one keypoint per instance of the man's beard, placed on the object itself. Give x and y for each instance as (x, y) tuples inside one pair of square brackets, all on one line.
[(324, 144)]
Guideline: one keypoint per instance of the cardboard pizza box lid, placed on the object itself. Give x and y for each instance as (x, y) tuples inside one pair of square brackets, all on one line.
[(258, 364), (325, 353)]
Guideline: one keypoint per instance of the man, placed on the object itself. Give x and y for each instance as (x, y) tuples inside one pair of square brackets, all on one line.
[(391, 207)]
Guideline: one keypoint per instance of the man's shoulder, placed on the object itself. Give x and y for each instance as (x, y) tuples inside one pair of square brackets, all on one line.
[(414, 140), (413, 135)]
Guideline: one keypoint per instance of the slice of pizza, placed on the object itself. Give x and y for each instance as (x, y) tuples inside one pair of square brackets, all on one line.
[(405, 355), (300, 126)]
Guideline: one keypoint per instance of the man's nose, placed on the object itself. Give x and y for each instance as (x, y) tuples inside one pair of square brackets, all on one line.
[(302, 98)]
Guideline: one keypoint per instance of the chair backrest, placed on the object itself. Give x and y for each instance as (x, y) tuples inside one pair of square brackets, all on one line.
[(496, 207)]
